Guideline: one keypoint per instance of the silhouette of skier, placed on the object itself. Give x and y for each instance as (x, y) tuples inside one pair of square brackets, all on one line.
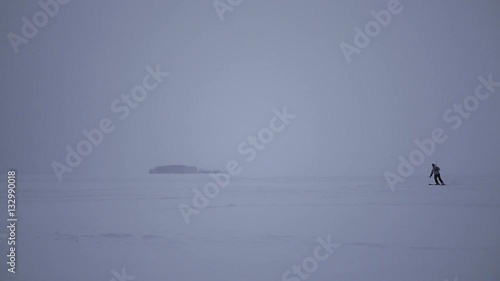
[(437, 174)]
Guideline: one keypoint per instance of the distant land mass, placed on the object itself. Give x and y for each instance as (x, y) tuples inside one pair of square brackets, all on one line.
[(181, 169)]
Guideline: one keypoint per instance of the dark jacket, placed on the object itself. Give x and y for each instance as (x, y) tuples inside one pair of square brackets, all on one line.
[(435, 171)]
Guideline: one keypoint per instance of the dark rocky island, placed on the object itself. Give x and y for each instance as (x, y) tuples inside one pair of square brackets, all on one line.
[(181, 169)]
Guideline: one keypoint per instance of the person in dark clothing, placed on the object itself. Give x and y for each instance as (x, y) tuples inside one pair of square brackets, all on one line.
[(437, 174)]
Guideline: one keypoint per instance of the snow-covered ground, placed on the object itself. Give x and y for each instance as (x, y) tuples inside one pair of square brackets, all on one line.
[(256, 229)]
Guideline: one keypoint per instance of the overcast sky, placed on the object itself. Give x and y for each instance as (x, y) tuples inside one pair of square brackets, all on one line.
[(226, 76)]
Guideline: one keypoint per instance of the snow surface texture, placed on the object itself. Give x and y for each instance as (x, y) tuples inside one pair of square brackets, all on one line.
[(256, 229)]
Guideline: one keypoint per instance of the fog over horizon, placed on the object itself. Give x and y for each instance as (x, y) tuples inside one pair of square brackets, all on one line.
[(226, 78)]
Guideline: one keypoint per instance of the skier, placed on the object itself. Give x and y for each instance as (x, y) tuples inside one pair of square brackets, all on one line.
[(437, 174)]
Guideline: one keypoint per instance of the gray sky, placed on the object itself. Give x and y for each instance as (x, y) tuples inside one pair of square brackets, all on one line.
[(227, 76)]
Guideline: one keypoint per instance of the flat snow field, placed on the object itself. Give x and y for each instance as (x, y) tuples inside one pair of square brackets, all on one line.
[(255, 230)]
